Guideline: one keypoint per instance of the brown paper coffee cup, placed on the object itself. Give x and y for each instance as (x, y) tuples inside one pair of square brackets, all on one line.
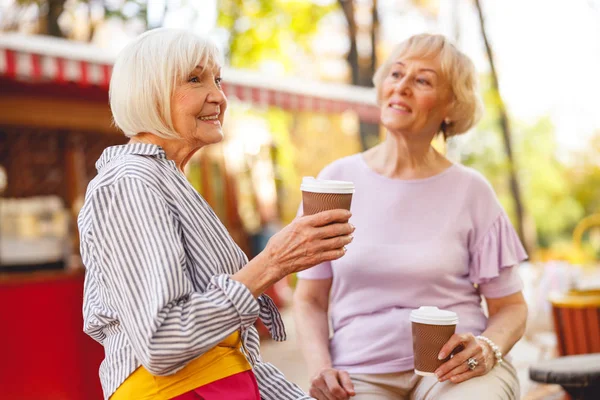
[(431, 329), (313, 203), (321, 195)]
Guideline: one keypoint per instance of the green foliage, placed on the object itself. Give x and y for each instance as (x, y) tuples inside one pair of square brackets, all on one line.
[(555, 194), (269, 30), (585, 175), (547, 187)]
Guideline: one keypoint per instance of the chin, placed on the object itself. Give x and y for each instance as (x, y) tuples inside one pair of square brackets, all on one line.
[(394, 126), (213, 137)]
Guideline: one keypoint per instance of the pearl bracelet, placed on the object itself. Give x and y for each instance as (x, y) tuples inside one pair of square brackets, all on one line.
[(495, 349)]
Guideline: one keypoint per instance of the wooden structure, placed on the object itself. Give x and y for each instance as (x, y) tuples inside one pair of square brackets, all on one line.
[(55, 120)]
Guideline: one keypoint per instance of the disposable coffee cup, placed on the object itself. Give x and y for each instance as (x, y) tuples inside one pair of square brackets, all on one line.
[(321, 195), (431, 330)]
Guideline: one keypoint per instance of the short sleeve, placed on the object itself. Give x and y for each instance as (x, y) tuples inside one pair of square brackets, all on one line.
[(506, 283), (320, 271), (498, 249)]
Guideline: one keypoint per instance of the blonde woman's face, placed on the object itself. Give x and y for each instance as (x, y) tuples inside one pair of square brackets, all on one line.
[(415, 98), (198, 107)]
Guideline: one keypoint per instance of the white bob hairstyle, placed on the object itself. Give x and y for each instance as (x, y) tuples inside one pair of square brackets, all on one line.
[(146, 73), (457, 68)]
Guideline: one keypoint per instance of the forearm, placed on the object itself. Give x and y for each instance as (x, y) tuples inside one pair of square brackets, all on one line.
[(187, 327), (312, 327), (507, 326), (257, 276)]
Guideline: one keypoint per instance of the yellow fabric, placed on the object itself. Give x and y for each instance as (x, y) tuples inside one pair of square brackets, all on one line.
[(223, 360)]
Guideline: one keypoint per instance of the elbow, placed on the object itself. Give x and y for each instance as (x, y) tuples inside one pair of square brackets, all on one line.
[(524, 317), (157, 366), (160, 362), (304, 304)]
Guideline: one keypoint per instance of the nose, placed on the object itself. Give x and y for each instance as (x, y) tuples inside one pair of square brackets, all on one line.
[(217, 96), (403, 86)]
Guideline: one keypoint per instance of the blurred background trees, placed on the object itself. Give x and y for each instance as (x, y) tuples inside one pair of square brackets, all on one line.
[(545, 188)]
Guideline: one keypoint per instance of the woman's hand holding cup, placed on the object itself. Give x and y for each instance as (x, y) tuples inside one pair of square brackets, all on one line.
[(308, 241), (320, 235)]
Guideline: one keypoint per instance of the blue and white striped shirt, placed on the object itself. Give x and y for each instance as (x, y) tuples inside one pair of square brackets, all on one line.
[(158, 291)]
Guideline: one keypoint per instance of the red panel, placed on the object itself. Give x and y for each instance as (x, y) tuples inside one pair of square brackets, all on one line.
[(60, 70), (106, 73), (45, 354), (84, 79), (255, 95), (11, 63)]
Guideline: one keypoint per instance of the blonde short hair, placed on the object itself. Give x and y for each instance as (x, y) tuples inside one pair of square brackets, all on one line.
[(458, 70), (146, 73)]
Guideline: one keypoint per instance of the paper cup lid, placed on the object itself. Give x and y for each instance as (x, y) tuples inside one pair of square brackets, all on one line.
[(433, 316), (310, 184)]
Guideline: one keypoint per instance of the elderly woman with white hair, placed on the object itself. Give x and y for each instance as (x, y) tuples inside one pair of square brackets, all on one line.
[(429, 233), (168, 293)]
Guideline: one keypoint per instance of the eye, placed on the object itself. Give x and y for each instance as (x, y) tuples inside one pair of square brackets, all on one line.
[(218, 81), (396, 74), (194, 79), (422, 81)]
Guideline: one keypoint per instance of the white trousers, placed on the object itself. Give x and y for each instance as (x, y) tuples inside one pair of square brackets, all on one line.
[(501, 383)]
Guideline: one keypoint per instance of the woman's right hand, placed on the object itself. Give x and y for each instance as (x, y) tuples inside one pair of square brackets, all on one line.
[(304, 243), (308, 241), (331, 384)]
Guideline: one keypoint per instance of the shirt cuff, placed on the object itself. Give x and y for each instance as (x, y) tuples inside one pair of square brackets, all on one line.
[(239, 295)]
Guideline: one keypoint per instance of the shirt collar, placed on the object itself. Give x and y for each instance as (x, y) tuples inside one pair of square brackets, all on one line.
[(141, 149)]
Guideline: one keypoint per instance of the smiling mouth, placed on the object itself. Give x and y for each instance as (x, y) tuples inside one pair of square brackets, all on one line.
[(400, 107), (209, 118)]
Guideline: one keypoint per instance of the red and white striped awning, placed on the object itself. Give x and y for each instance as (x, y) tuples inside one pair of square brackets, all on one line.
[(36, 59)]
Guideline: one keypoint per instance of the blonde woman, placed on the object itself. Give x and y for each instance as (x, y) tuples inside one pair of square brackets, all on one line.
[(168, 293), (429, 233)]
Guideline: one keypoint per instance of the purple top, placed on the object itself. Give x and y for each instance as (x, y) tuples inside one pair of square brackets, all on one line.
[(422, 242)]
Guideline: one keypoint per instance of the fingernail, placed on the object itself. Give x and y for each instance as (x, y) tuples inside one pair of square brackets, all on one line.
[(453, 379), (438, 374), (351, 237), (353, 227), (441, 356)]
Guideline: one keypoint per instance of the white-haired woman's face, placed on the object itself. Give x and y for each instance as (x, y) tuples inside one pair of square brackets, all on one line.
[(415, 98), (198, 106)]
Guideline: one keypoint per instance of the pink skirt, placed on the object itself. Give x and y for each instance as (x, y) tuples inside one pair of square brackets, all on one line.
[(241, 386)]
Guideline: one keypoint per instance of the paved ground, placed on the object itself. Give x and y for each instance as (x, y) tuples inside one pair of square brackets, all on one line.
[(287, 357)]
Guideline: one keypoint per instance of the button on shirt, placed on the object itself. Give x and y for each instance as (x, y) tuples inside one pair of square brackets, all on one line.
[(158, 291)]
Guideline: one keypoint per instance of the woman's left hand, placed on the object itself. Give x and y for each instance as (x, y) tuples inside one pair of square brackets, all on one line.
[(457, 369)]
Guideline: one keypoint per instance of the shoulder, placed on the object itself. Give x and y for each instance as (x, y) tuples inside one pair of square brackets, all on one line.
[(130, 167), (477, 184), (341, 168), (480, 197)]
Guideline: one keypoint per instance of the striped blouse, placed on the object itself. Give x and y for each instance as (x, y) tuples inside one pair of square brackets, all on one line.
[(158, 291)]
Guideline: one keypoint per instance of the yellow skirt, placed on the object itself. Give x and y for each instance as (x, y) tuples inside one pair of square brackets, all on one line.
[(225, 359)]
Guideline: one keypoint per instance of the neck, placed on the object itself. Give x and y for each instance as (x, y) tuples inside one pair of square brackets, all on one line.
[(178, 150), (406, 158)]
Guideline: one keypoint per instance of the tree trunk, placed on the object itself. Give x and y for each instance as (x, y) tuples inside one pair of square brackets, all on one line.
[(352, 57), (506, 133), (55, 9), (361, 76)]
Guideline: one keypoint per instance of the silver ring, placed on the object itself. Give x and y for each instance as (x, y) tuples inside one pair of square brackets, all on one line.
[(472, 363)]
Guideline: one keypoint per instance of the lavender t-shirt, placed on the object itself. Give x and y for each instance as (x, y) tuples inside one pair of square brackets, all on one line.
[(417, 242)]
